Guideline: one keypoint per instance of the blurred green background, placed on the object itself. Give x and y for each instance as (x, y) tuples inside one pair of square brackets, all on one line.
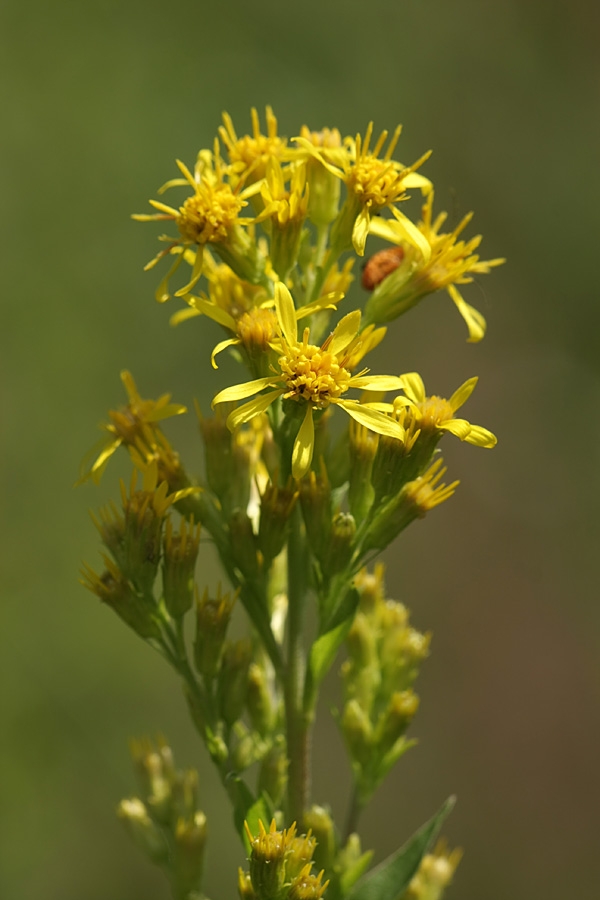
[(98, 99)]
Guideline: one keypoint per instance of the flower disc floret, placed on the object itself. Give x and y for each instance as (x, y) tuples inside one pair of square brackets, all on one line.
[(209, 214), (313, 374), (316, 376)]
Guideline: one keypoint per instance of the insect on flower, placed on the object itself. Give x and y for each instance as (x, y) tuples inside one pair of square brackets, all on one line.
[(380, 265)]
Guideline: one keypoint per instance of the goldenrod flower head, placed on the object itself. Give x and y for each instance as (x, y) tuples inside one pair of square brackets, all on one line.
[(250, 154), (268, 851), (114, 589), (299, 855), (257, 329), (313, 376), (211, 215), (379, 182), (127, 426), (372, 183), (435, 415), (285, 210), (152, 447), (435, 260), (426, 492), (307, 886), (282, 205)]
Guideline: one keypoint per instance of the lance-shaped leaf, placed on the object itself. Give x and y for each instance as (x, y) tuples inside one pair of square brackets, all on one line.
[(391, 877)]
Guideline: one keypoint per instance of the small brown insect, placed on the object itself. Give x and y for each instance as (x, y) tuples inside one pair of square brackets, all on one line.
[(380, 265)]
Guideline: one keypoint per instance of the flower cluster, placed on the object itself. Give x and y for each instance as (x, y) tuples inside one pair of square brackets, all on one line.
[(296, 499)]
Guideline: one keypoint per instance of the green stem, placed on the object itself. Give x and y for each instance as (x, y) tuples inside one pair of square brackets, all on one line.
[(298, 725), (353, 813)]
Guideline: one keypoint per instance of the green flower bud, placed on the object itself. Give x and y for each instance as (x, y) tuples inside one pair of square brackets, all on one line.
[(318, 820), (358, 732), (188, 852), (395, 720), (179, 564), (434, 874), (276, 506), (299, 855), (244, 545), (245, 889), (212, 620), (363, 448), (135, 609), (142, 829), (233, 680), (315, 501), (260, 701), (341, 543), (272, 775)]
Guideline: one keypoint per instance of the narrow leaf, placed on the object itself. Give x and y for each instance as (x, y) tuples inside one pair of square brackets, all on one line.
[(391, 877)]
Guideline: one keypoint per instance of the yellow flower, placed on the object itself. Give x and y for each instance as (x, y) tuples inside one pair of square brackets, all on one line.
[(286, 211), (245, 311), (129, 425), (372, 183), (313, 376), (426, 492), (211, 215), (435, 415), (249, 155), (440, 260)]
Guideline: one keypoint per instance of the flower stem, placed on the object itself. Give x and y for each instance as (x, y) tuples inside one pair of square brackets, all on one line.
[(298, 725)]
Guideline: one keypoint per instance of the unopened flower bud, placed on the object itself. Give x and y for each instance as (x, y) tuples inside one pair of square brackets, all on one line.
[(245, 889), (434, 874), (341, 543), (179, 563), (137, 610), (212, 619), (396, 719), (315, 500), (244, 545), (299, 855), (142, 829), (272, 775), (233, 680), (358, 732), (363, 448), (320, 823), (324, 187), (276, 507), (188, 855), (260, 701), (217, 454)]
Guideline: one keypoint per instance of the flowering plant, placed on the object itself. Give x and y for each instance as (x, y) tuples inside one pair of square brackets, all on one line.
[(297, 500)]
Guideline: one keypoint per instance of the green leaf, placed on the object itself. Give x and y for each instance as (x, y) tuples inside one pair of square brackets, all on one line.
[(391, 877), (247, 808), (324, 649)]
